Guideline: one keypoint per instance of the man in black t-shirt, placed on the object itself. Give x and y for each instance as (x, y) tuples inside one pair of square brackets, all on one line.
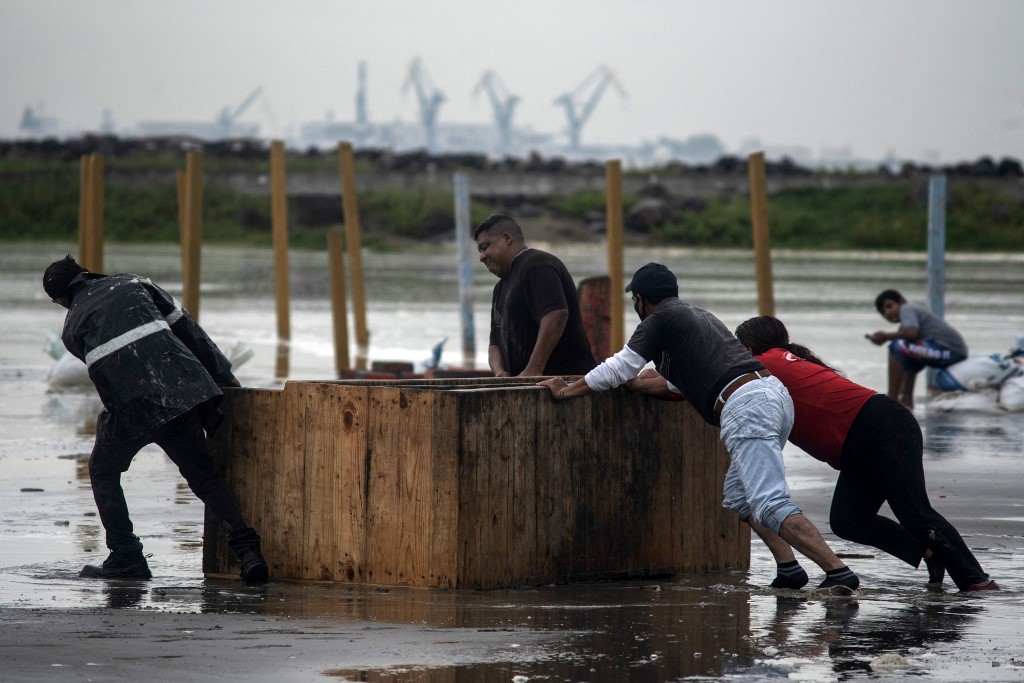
[(704, 362), (536, 325)]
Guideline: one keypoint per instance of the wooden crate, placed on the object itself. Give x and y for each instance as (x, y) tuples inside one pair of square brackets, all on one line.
[(472, 483)]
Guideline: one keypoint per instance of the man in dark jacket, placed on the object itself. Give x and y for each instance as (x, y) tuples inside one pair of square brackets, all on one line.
[(159, 376)]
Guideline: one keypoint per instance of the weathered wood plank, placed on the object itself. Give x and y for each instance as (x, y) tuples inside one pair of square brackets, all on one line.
[(524, 450), (473, 437), (257, 440), (443, 568), (562, 433), (287, 489), (216, 556), (335, 502), (489, 439), (400, 491)]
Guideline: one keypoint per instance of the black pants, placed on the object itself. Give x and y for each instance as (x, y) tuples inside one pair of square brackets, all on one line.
[(881, 462), (184, 442)]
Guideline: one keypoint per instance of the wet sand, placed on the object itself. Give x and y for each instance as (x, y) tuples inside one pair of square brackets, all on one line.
[(180, 626), (715, 626)]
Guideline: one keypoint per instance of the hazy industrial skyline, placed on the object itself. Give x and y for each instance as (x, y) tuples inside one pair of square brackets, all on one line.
[(927, 80)]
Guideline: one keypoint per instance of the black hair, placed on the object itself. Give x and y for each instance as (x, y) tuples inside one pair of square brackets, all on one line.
[(767, 332), (888, 295), (59, 275), (499, 222)]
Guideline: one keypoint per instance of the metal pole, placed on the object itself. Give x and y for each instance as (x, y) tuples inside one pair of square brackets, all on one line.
[(464, 244), (937, 245), (936, 252)]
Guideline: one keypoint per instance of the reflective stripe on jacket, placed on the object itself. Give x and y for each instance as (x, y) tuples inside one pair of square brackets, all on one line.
[(149, 360)]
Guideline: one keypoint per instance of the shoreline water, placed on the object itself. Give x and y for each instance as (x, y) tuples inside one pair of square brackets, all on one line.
[(715, 626)]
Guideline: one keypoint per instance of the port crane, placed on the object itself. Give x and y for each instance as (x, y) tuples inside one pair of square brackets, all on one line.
[(36, 123), (503, 102), (225, 124), (429, 97), (228, 118), (579, 104)]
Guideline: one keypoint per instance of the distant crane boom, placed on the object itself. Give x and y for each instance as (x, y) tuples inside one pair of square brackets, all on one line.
[(429, 97), (503, 103), (579, 105), (227, 118)]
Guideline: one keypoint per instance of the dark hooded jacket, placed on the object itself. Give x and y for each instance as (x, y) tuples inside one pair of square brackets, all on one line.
[(150, 361)]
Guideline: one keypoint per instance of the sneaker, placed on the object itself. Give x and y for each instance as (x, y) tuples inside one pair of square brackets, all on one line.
[(119, 565), (936, 572), (843, 577), (254, 568), (989, 585), (795, 581)]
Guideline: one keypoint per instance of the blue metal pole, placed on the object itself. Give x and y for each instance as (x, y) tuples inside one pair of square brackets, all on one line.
[(936, 251), (464, 248), (937, 245)]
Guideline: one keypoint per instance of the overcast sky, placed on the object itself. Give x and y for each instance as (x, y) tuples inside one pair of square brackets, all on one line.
[(930, 80)]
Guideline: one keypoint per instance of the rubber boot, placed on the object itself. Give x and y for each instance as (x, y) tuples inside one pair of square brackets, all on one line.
[(122, 563), (245, 543)]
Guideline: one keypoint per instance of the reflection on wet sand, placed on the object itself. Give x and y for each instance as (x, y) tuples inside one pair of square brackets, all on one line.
[(708, 626), (946, 433), (798, 632), (603, 632)]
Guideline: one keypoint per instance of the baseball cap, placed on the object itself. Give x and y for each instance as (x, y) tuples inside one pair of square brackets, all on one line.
[(654, 280)]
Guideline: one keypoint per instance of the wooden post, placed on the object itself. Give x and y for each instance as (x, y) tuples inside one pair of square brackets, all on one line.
[(339, 310), (464, 244), (193, 235), (281, 361), (613, 211), (84, 211), (279, 225), (97, 207), (353, 243), (181, 179), (762, 240), (595, 295)]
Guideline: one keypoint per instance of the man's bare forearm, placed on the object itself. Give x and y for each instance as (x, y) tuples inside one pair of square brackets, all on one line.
[(552, 325)]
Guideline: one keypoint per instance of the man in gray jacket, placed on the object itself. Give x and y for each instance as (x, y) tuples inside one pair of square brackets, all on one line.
[(159, 376), (922, 340)]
